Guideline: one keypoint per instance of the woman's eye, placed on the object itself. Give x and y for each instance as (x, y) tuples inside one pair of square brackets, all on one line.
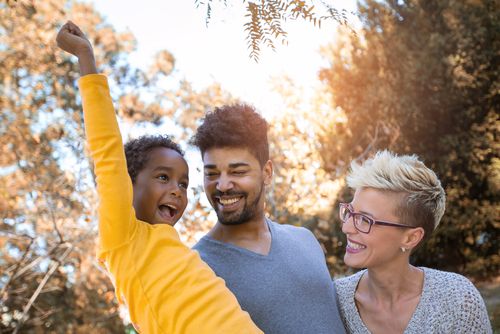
[(365, 220)]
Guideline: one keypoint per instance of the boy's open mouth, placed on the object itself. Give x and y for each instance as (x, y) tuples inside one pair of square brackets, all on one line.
[(168, 210)]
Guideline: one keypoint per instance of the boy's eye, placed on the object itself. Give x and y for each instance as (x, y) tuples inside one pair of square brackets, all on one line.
[(163, 177), (184, 185)]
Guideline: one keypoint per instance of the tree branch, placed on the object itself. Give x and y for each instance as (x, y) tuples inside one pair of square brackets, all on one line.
[(3, 294), (35, 295)]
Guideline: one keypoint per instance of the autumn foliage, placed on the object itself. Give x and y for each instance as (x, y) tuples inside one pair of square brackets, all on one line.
[(417, 77), (50, 280)]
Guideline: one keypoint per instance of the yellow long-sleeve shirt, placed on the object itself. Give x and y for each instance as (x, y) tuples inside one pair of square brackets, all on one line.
[(166, 286)]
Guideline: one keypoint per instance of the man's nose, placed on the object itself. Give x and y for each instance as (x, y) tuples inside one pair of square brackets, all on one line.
[(224, 183)]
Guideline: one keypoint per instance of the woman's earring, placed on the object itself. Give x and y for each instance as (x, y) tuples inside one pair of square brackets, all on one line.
[(403, 249)]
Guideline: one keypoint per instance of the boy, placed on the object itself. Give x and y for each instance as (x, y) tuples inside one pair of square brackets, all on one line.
[(166, 286)]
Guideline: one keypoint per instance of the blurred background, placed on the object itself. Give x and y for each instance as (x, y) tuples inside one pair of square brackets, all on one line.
[(336, 82)]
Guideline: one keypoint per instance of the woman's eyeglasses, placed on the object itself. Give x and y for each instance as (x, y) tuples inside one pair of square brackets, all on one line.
[(362, 222)]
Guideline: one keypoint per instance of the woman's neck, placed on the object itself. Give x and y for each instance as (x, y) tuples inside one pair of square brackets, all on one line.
[(392, 284)]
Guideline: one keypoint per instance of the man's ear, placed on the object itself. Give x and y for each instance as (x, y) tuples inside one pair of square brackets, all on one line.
[(268, 172), (412, 237)]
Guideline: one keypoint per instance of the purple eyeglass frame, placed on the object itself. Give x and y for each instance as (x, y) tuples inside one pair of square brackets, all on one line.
[(370, 219)]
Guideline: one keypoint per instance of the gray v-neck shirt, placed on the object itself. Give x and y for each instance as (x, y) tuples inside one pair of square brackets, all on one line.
[(285, 292)]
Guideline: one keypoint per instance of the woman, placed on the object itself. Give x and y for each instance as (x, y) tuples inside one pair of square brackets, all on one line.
[(397, 204)]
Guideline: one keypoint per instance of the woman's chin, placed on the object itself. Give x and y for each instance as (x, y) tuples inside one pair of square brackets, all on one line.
[(350, 262)]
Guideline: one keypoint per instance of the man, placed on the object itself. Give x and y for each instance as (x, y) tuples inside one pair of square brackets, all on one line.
[(277, 272)]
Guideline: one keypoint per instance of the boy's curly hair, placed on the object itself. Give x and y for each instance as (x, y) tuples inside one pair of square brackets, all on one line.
[(137, 151), (237, 125)]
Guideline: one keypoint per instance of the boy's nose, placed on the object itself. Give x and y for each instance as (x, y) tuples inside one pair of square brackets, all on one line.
[(176, 190)]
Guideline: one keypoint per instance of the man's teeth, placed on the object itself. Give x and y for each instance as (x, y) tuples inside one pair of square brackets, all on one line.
[(229, 201), (353, 245)]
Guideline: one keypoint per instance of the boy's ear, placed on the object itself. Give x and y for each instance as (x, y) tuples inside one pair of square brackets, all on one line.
[(268, 172)]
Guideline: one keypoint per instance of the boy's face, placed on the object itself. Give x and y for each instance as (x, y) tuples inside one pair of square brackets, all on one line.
[(234, 183), (160, 187)]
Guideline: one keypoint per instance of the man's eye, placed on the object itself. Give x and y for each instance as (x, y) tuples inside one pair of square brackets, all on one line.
[(210, 174), (239, 172)]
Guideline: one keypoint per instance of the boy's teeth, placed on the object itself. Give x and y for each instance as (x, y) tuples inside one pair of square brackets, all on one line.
[(228, 201), (354, 245)]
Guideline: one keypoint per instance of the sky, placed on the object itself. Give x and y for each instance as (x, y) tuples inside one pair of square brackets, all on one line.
[(218, 52)]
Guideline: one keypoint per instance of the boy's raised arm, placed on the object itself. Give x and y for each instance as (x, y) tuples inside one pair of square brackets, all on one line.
[(116, 223), (72, 40)]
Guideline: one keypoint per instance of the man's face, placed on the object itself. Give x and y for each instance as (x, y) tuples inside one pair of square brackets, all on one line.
[(234, 183), (160, 187)]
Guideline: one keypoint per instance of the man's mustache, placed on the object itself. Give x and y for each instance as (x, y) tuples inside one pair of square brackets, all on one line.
[(219, 193)]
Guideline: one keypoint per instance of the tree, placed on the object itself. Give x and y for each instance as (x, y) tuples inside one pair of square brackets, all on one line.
[(422, 77), (43, 200), (49, 279), (302, 192), (265, 19)]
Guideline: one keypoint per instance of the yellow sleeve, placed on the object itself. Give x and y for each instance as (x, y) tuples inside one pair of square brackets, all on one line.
[(114, 187), (166, 286)]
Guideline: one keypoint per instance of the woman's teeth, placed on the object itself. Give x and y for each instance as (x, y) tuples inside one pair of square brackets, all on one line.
[(353, 245)]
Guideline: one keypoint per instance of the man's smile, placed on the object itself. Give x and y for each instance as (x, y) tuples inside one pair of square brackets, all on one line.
[(229, 202)]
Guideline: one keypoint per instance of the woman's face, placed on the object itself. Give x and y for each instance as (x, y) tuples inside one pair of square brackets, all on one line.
[(383, 244)]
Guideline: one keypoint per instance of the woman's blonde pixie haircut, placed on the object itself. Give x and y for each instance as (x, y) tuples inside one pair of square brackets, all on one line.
[(423, 198)]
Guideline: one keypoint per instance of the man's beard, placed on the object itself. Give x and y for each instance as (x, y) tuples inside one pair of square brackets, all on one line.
[(249, 212)]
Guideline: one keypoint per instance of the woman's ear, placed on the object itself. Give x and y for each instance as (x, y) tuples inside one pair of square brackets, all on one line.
[(412, 238)]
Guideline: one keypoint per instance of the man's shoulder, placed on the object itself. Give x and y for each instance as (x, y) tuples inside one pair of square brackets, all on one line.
[(211, 252), (214, 250), (203, 244), (292, 230), (297, 238)]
